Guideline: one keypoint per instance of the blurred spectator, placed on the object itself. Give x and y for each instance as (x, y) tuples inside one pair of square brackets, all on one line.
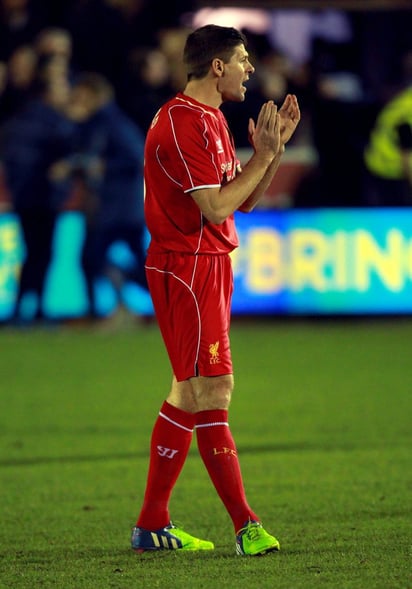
[(54, 48), (31, 142), (171, 43), (109, 160), (20, 21), (388, 154), (47, 57), (54, 42), (147, 85), (21, 73), (338, 122)]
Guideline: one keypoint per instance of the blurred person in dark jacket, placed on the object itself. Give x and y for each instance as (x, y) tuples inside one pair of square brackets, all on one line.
[(146, 85), (47, 56), (21, 73), (20, 21), (54, 47), (30, 143), (108, 162)]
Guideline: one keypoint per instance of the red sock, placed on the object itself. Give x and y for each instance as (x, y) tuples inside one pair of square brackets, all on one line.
[(170, 443), (218, 451)]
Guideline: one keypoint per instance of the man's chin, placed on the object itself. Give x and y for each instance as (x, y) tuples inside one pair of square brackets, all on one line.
[(242, 95), (239, 97)]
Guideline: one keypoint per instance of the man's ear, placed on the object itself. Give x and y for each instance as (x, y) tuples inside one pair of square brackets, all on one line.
[(218, 66)]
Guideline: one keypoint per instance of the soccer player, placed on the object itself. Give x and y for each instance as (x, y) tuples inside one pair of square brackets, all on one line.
[(193, 187)]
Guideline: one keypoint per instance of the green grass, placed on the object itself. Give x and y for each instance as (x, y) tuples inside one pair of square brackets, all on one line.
[(322, 417)]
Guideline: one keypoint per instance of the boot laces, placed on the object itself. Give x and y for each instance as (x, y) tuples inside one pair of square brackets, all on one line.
[(253, 531)]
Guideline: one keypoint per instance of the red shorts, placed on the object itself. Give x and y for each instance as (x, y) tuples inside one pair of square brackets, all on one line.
[(192, 300)]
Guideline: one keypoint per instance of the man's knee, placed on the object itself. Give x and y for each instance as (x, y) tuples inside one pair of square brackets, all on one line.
[(202, 393), (213, 392)]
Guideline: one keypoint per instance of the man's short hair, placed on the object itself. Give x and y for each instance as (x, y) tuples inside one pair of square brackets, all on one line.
[(206, 43)]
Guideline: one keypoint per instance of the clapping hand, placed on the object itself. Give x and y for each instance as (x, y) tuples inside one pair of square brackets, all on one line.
[(289, 114), (280, 123), (265, 134)]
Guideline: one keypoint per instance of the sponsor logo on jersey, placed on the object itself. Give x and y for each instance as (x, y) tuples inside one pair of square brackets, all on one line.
[(219, 146)]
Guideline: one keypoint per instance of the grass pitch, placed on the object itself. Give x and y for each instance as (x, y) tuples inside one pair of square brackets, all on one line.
[(322, 418)]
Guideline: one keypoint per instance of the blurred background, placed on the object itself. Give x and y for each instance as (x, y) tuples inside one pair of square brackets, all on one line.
[(80, 82)]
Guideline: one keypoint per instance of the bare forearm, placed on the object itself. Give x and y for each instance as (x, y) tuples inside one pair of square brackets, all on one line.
[(245, 190), (218, 204)]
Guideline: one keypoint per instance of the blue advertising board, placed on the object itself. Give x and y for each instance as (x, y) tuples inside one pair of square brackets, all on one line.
[(318, 261), (324, 261)]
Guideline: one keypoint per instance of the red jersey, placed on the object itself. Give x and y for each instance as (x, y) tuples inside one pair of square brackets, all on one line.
[(188, 147)]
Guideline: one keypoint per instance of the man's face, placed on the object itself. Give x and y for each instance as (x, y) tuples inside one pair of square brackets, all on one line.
[(82, 105), (235, 73)]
